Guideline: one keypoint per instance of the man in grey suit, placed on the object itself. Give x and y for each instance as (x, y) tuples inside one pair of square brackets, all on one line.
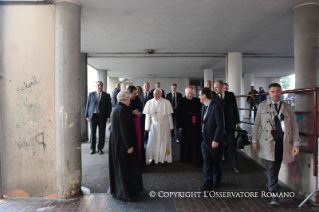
[(97, 112), (116, 90)]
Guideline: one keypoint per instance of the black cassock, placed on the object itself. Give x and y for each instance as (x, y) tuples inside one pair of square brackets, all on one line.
[(190, 135), (125, 169)]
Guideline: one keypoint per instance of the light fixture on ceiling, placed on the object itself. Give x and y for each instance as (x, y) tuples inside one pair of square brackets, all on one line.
[(150, 51), (153, 75)]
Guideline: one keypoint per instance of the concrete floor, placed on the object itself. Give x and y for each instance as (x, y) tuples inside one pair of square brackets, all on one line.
[(175, 177)]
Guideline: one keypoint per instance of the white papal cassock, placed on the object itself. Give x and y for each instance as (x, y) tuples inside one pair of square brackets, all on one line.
[(159, 121)]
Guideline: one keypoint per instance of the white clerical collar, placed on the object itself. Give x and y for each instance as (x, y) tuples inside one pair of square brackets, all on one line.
[(158, 99)]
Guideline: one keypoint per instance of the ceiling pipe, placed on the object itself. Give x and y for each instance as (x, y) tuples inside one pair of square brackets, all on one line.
[(184, 54)]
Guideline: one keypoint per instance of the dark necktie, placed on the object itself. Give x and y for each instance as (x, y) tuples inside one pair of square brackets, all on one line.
[(277, 122), (221, 100), (145, 99), (205, 109), (173, 100), (97, 102)]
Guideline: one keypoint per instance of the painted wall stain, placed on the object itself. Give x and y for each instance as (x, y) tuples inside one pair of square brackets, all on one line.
[(17, 193)]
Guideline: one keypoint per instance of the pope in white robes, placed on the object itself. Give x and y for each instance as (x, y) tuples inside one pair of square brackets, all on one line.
[(159, 123)]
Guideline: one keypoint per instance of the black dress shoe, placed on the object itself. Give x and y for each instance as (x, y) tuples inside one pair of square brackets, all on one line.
[(100, 152), (152, 163), (205, 188), (163, 164), (236, 170), (216, 185), (92, 152)]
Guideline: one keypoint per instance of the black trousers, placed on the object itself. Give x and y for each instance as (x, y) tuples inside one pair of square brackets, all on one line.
[(230, 140), (144, 133), (273, 167), (212, 164), (96, 121), (175, 131)]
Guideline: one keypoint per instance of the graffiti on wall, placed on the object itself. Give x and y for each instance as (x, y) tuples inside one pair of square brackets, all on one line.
[(30, 116), (28, 85)]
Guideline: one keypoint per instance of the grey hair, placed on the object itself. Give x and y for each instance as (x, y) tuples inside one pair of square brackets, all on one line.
[(122, 96), (157, 89)]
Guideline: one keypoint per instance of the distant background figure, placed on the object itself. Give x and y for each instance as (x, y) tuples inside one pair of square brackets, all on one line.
[(136, 108), (231, 115), (116, 90), (208, 84), (139, 89), (189, 123), (144, 97), (124, 166), (126, 87), (226, 87), (97, 112), (251, 100), (173, 97), (158, 85), (158, 123), (261, 98)]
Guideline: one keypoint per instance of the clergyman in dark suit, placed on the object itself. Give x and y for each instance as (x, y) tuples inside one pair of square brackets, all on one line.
[(97, 112), (144, 97), (158, 85), (231, 114), (173, 97), (213, 125)]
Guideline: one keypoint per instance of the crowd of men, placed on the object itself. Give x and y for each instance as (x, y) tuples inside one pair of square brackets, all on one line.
[(204, 127)]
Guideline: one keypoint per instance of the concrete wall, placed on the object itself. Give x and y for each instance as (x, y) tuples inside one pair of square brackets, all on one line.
[(27, 64), (166, 83), (262, 82)]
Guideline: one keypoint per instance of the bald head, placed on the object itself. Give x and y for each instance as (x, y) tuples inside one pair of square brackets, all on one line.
[(208, 84)]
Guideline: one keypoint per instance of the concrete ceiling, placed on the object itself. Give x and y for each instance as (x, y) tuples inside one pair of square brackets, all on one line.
[(187, 26)]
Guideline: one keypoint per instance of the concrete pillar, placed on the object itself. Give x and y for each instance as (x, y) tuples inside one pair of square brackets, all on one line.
[(306, 51), (209, 75), (67, 99), (275, 80), (235, 71), (111, 81), (234, 77), (248, 81), (84, 95), (102, 76)]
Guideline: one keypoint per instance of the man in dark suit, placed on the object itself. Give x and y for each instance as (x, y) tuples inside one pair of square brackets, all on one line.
[(212, 139), (173, 97), (144, 97), (229, 104), (158, 85), (97, 112), (116, 90)]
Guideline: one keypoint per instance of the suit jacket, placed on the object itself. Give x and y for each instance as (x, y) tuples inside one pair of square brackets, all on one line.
[(230, 109), (114, 96), (214, 123), (142, 95), (105, 106), (169, 97), (163, 93)]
